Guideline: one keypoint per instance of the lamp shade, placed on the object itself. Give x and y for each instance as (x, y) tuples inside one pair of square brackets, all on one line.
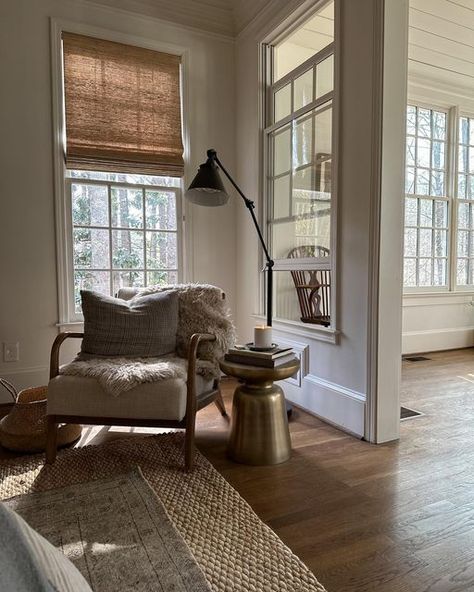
[(207, 188)]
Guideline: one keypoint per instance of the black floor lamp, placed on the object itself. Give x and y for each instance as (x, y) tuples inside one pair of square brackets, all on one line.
[(207, 189)]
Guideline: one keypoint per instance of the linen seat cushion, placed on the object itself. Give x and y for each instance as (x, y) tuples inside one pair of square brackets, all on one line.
[(143, 327), (83, 396)]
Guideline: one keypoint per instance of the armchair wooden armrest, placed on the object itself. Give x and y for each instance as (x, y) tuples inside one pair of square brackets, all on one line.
[(194, 344), (191, 398), (54, 361), (196, 339)]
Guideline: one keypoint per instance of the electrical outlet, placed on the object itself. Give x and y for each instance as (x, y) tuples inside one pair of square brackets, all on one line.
[(11, 352)]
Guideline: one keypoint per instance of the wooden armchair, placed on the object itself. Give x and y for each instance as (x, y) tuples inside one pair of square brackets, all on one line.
[(167, 403), (313, 287)]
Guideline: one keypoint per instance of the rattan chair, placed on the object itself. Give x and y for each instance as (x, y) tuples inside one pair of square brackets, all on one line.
[(313, 287)]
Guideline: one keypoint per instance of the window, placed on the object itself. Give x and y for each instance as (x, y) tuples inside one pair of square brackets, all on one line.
[(121, 221), (426, 213), (125, 231), (465, 203), (438, 250), (299, 149)]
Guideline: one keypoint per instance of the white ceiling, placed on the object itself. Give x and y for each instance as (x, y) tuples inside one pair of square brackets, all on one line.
[(318, 31), (441, 42), (441, 36), (225, 17)]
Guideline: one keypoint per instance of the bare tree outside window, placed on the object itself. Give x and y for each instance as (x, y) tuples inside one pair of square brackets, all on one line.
[(125, 231), (426, 204), (439, 200)]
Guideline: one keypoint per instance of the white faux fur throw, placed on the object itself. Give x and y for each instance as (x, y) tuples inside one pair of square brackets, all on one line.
[(201, 310), (117, 375)]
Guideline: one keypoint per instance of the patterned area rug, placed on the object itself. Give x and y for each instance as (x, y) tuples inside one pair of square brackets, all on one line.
[(236, 551), (117, 533)]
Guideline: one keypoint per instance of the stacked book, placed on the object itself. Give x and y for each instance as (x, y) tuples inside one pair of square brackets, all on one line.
[(243, 354)]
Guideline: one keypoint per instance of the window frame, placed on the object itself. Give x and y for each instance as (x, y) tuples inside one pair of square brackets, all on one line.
[(470, 115), (319, 103), (319, 332), (448, 197), (63, 215), (178, 192), (453, 113)]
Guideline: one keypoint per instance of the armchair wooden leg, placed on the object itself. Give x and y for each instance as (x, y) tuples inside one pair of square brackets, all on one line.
[(51, 439), (189, 449), (189, 438), (219, 401)]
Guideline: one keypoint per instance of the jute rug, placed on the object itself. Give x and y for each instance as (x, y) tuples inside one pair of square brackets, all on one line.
[(236, 551), (117, 533)]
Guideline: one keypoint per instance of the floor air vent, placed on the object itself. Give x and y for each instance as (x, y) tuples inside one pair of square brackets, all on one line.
[(406, 413), (416, 358)]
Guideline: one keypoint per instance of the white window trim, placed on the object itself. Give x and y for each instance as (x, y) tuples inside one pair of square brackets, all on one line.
[(67, 316), (460, 113), (316, 332)]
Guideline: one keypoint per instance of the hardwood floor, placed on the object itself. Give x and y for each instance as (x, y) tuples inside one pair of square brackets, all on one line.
[(391, 518)]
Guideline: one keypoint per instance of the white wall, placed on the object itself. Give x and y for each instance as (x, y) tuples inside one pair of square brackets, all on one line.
[(29, 305), (334, 382), (435, 321)]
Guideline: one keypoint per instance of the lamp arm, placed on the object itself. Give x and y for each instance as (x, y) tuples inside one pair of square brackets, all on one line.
[(249, 204)]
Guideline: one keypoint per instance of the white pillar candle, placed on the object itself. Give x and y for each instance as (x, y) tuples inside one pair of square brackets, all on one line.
[(262, 337)]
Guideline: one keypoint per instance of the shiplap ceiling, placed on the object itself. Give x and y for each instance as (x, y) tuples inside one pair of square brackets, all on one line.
[(441, 36), (214, 16), (441, 42), (225, 17), (318, 31)]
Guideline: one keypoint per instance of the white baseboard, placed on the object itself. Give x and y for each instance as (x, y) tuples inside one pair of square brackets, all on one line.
[(437, 339), (331, 402), (23, 378)]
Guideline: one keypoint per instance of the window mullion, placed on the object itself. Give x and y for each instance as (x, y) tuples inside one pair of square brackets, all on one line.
[(469, 246), (109, 199), (145, 272), (315, 59), (418, 224), (292, 143), (418, 203), (451, 192), (433, 237), (430, 190)]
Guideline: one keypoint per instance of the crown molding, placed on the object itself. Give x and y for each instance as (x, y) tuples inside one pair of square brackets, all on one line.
[(272, 15), (436, 88), (134, 8)]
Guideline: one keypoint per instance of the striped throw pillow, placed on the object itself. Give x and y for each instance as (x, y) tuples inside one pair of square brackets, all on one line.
[(143, 327)]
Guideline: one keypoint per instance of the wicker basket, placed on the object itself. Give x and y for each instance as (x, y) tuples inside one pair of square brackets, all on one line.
[(24, 428)]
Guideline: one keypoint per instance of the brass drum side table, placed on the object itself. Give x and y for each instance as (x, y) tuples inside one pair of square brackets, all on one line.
[(259, 428)]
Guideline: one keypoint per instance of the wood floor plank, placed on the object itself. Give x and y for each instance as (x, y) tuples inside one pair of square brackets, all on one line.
[(392, 518)]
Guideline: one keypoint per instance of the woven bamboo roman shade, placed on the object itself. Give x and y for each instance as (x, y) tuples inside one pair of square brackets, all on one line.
[(123, 111)]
